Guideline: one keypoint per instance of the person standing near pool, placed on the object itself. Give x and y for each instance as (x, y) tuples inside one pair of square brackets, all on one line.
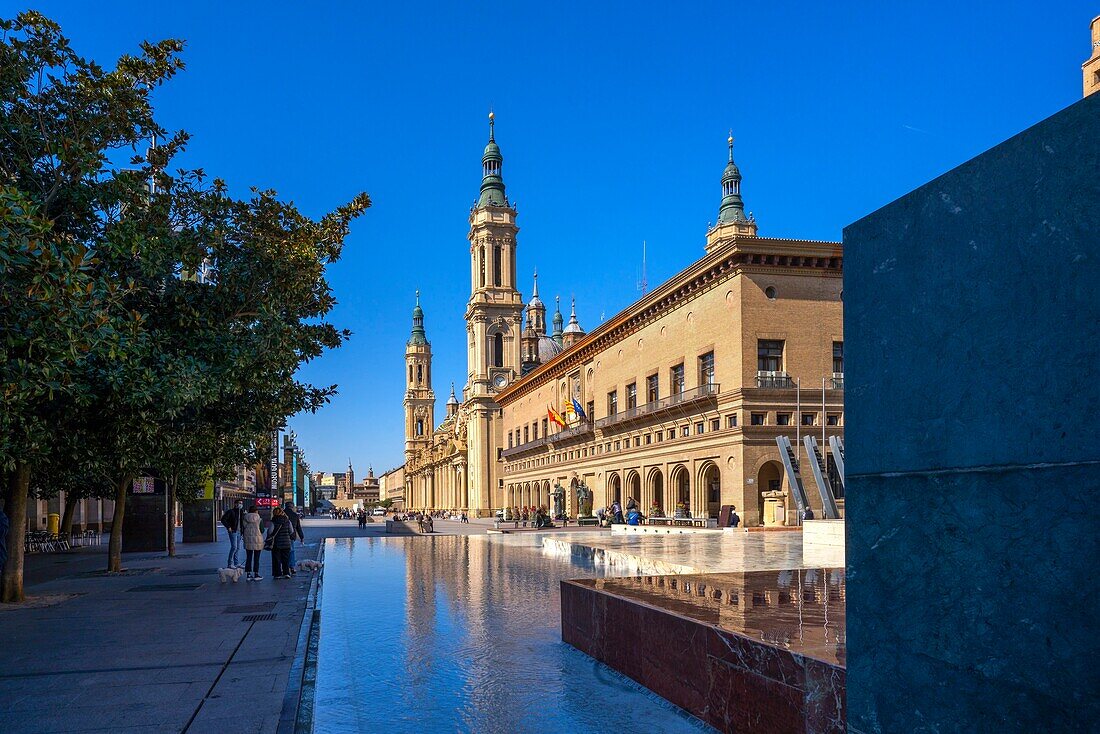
[(231, 519), (280, 537), (253, 543), (295, 533)]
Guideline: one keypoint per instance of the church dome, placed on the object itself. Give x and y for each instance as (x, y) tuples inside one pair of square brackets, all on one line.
[(548, 349)]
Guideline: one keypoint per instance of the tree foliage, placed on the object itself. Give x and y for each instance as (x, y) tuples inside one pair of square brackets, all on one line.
[(149, 319)]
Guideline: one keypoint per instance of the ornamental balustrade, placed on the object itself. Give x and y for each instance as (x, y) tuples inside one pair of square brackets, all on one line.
[(672, 402)]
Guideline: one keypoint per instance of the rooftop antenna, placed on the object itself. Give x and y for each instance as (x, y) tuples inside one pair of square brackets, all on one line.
[(643, 284)]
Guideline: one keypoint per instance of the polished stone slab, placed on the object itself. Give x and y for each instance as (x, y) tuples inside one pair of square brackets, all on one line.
[(760, 651), (972, 338)]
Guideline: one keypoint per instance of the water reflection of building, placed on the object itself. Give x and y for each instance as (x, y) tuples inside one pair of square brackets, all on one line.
[(681, 395), (799, 609)]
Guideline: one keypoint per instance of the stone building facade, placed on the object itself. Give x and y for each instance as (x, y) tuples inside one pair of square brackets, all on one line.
[(685, 391), (679, 398), (1091, 68)]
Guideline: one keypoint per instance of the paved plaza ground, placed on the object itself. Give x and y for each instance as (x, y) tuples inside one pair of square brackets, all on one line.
[(163, 647)]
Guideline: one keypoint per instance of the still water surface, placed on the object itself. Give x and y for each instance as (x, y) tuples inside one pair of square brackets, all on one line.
[(462, 634)]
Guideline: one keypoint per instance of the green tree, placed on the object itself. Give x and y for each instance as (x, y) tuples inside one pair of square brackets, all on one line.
[(61, 117), (148, 366)]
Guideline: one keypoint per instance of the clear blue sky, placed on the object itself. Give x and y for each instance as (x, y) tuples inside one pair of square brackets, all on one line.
[(612, 118)]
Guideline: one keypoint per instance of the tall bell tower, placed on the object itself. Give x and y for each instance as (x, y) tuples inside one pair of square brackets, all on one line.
[(419, 398), (494, 316), (494, 311)]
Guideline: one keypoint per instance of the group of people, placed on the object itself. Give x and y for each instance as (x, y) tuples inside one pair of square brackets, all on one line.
[(614, 515), (247, 528), (425, 522)]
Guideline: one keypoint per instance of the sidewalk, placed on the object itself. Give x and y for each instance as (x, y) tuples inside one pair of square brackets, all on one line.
[(163, 647)]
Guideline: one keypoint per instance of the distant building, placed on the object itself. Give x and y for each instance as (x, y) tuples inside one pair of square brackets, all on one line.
[(392, 487), (1091, 68)]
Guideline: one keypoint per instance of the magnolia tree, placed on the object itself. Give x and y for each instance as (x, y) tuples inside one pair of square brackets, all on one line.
[(116, 355)]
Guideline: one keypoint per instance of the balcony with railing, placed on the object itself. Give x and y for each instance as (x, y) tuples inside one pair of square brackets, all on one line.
[(838, 380), (524, 447), (774, 380), (672, 402)]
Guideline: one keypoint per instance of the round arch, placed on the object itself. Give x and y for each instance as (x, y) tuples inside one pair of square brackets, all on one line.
[(614, 489), (633, 487), (655, 483), (680, 483), (710, 479), (769, 478)]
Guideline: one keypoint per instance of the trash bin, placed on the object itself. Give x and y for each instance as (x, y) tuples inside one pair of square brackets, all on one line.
[(53, 523)]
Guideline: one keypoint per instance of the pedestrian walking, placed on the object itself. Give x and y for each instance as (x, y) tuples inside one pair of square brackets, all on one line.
[(279, 539), (253, 538), (296, 534), (231, 519)]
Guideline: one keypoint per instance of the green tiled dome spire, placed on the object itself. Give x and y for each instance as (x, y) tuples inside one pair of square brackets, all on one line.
[(418, 336), (492, 183), (733, 208)]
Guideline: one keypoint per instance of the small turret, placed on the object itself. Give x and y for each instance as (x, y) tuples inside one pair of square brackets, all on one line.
[(492, 180), (573, 331), (417, 336), (732, 221), (558, 320), (732, 208), (452, 402)]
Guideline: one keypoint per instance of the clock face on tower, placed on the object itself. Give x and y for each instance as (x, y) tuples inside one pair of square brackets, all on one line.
[(500, 381)]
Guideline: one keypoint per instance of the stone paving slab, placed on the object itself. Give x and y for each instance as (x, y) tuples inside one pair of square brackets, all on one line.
[(94, 656)]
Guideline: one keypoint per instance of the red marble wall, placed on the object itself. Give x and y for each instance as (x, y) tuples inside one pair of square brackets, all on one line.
[(734, 683)]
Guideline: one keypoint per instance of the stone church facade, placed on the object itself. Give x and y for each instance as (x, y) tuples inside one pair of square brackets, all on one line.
[(681, 395)]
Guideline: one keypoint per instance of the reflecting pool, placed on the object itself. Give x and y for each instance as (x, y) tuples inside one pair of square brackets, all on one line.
[(462, 633)]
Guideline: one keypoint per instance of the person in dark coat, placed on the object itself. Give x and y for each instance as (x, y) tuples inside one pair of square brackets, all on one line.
[(296, 533), (280, 536), (232, 520)]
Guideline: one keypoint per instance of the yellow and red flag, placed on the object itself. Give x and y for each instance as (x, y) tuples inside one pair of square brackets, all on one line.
[(555, 416)]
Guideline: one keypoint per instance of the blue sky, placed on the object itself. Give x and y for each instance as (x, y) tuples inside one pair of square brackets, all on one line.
[(612, 118)]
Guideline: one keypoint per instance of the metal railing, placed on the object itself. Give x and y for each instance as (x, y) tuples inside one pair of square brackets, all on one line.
[(838, 382), (656, 406), (578, 430), (533, 444), (781, 382)]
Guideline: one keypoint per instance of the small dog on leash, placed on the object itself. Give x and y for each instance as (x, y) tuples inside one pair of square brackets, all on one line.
[(309, 565), (226, 575)]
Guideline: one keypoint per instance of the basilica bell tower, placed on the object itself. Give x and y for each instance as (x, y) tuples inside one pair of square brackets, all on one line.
[(494, 316), (419, 397)]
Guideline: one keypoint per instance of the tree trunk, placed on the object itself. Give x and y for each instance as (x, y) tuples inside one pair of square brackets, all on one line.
[(71, 501), (11, 583), (114, 548), (171, 516)]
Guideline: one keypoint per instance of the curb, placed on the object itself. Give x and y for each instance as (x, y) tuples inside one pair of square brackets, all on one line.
[(292, 699)]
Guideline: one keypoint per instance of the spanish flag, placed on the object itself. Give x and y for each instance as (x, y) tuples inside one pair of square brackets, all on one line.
[(555, 416)]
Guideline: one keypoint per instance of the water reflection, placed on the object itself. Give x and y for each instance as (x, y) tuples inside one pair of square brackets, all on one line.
[(456, 633), (801, 610)]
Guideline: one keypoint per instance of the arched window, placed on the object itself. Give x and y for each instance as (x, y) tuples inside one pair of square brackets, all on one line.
[(498, 350), (410, 374), (496, 265), (419, 427), (482, 251), (419, 374)]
